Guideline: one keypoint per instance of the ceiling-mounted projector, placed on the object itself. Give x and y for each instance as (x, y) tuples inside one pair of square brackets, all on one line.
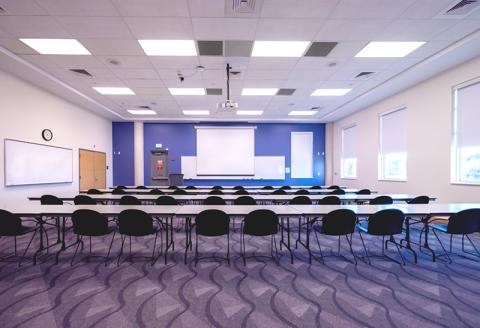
[(228, 104)]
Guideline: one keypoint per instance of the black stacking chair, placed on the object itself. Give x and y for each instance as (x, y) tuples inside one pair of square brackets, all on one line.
[(94, 192), (173, 187), (216, 192), (285, 187), (267, 188), (217, 187), (302, 192), (156, 192), (463, 223), (419, 200), (238, 187), (140, 187), (385, 223), (212, 223), (337, 223), (89, 223), (130, 200), (214, 200), (84, 200), (329, 200), (316, 187), (137, 223), (300, 200), (364, 192), (118, 191), (334, 187), (337, 192), (50, 200), (244, 200), (120, 187), (381, 200), (180, 192), (190, 187), (166, 200), (241, 192), (279, 192), (259, 223), (11, 226)]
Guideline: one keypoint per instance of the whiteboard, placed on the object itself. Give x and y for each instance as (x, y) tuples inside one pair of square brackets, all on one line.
[(30, 163), (225, 150), (266, 168)]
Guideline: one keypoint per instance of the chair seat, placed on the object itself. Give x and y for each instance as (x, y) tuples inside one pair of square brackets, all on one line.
[(23, 230), (437, 225), (362, 228)]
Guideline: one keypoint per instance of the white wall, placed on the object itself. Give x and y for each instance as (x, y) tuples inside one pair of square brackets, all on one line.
[(25, 110), (429, 128)]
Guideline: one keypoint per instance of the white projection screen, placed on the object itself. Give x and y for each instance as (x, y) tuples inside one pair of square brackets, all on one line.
[(228, 150), (30, 163)]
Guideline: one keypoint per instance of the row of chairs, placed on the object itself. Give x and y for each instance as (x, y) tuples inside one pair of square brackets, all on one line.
[(236, 187)]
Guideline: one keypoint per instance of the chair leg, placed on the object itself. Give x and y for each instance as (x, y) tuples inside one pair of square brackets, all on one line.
[(451, 239), (228, 248), (351, 248), (121, 249), (364, 248), (26, 249), (130, 249), (76, 250), (109, 249), (276, 250), (398, 249), (474, 247), (242, 247), (196, 249), (15, 245), (319, 247), (441, 244), (153, 260)]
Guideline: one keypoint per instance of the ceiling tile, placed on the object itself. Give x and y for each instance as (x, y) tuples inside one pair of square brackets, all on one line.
[(17, 47), (238, 48), (413, 30), (264, 63), (126, 61), (165, 8), (370, 9), (256, 74), (347, 49), (161, 28), (224, 28), (113, 47), (459, 30), (350, 30), (22, 7), (95, 27), (150, 91), (425, 9), (320, 49), (287, 29), (310, 74), (172, 74), (37, 27), (214, 74), (135, 73), (174, 62), (210, 48), (144, 83), (41, 61), (210, 8), (298, 9), (75, 61), (79, 8)]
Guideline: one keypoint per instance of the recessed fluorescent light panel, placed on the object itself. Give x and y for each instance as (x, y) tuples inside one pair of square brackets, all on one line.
[(279, 48), (196, 112), (302, 112), (330, 92), (187, 91), (259, 91), (141, 112), (389, 49), (168, 47), (114, 90), (56, 46), (250, 112)]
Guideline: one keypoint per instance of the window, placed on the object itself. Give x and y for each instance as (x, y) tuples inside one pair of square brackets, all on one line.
[(392, 158), (349, 153), (301, 155), (466, 138)]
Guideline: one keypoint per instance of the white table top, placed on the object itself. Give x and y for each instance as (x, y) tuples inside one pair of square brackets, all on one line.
[(228, 191), (224, 187)]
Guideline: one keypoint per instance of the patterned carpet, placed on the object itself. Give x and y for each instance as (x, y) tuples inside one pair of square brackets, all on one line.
[(262, 294)]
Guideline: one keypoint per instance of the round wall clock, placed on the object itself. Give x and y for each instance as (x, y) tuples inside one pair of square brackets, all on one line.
[(47, 135)]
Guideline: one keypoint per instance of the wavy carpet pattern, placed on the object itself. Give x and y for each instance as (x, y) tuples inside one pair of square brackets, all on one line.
[(261, 294)]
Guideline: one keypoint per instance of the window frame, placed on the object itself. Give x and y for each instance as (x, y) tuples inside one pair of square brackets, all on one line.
[(381, 160), (351, 126)]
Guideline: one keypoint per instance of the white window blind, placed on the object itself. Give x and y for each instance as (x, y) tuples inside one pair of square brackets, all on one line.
[(393, 145), (349, 152), (301, 155), (466, 136)]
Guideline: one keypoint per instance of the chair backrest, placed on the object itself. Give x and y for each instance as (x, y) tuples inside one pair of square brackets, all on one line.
[(135, 223), (267, 188), (302, 192), (166, 200), (94, 192), (364, 192), (279, 192), (130, 200), (334, 187), (217, 187), (244, 200), (329, 200), (241, 192), (238, 187), (419, 200), (140, 187), (381, 200), (180, 192), (216, 192), (464, 222), (173, 187), (118, 191), (89, 223), (84, 200), (260, 223), (190, 187), (10, 224), (121, 187), (316, 187), (339, 222), (156, 192), (212, 223), (50, 200), (386, 222), (337, 192), (285, 187), (214, 200), (300, 200)]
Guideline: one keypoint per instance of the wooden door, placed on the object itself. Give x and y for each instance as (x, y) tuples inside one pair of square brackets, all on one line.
[(92, 167)]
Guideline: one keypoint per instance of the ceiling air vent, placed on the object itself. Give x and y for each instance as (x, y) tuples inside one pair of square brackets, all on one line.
[(144, 107), (2, 10), (363, 75), (243, 6), (81, 72), (460, 9)]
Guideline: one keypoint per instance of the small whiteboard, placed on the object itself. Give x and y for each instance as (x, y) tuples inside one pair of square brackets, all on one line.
[(29, 163)]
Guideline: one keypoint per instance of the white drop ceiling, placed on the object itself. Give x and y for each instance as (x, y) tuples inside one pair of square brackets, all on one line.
[(109, 29)]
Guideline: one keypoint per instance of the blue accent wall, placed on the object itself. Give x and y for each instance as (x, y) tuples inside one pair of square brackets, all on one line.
[(123, 160), (271, 139)]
